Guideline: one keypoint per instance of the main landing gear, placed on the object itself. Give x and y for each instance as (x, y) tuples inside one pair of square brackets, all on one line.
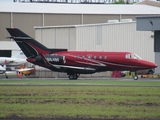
[(73, 76)]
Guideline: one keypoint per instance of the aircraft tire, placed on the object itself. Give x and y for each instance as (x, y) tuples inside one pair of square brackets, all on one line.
[(71, 77), (75, 76), (135, 77)]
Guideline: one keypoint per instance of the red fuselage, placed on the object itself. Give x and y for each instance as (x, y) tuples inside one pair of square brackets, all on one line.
[(99, 61)]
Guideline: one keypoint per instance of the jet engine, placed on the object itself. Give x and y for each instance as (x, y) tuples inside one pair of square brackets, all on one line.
[(53, 59)]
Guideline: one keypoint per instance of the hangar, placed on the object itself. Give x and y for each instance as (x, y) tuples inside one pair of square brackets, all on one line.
[(151, 23), (76, 27), (27, 15)]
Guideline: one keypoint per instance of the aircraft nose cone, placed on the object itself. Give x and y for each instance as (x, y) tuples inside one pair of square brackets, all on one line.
[(154, 65), (150, 64)]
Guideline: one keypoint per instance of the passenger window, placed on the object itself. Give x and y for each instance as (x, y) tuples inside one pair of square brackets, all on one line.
[(105, 57), (100, 57), (94, 57), (128, 56)]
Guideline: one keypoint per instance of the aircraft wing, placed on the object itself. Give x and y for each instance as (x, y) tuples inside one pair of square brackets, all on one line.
[(10, 72), (68, 67), (24, 69), (74, 67)]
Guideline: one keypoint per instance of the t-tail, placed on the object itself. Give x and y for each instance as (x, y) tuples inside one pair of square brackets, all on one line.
[(30, 47)]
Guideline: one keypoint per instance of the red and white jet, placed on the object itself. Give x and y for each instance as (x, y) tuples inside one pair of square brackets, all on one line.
[(75, 63)]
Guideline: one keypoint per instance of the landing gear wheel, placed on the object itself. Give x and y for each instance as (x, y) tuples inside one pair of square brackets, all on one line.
[(6, 75), (135, 77), (71, 77), (75, 77)]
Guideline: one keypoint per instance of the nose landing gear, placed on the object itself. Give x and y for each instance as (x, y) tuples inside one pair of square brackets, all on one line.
[(135, 77)]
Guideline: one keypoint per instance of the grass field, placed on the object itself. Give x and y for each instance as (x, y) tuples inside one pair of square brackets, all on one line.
[(123, 100)]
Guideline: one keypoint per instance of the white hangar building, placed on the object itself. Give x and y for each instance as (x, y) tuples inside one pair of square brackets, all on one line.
[(27, 15)]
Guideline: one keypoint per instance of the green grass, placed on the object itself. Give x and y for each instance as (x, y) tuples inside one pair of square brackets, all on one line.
[(101, 102)]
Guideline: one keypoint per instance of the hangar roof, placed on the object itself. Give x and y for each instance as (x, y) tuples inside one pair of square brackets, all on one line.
[(74, 26), (78, 8)]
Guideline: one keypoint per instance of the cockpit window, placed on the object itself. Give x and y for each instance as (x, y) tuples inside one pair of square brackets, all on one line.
[(132, 56), (137, 57)]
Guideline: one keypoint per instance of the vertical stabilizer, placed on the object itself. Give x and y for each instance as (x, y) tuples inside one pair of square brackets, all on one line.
[(30, 47)]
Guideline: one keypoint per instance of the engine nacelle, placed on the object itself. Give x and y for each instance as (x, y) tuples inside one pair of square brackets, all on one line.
[(53, 59)]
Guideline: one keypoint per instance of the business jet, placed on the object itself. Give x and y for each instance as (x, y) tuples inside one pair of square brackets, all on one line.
[(75, 63)]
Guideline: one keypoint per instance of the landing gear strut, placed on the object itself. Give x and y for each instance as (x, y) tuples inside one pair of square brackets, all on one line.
[(6, 75), (73, 76)]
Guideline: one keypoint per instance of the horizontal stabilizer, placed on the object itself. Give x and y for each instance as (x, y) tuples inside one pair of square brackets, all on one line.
[(23, 38)]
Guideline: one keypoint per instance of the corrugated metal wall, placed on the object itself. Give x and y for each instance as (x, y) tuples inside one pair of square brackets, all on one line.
[(27, 21), (63, 37), (23, 21), (116, 37), (61, 19), (5, 22), (98, 18)]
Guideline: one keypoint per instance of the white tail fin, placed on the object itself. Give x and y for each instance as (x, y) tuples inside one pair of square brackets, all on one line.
[(18, 54)]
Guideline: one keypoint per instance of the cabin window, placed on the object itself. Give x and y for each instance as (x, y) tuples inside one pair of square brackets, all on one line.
[(100, 57), (105, 57), (89, 57), (94, 57), (127, 55), (83, 57), (77, 57)]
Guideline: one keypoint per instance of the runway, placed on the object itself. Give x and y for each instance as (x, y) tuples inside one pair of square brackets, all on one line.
[(100, 81)]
